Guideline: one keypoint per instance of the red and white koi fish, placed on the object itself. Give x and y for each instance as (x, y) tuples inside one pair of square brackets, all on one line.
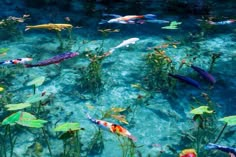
[(17, 61), (114, 128), (222, 22), (128, 19)]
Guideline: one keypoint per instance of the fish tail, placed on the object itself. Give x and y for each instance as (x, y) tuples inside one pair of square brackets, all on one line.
[(2, 62), (150, 16), (134, 139), (28, 65)]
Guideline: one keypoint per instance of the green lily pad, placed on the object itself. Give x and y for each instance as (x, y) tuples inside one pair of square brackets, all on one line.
[(67, 127), (36, 98), (173, 25), (33, 123), (230, 120), (12, 119), (27, 116), (201, 110), (12, 107), (37, 81), (3, 50)]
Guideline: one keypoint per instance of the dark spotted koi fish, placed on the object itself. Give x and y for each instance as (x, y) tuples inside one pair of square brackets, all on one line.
[(54, 60), (204, 74), (16, 61), (187, 80), (114, 128)]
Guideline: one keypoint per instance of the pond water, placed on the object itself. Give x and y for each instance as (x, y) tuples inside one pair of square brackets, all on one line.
[(117, 78)]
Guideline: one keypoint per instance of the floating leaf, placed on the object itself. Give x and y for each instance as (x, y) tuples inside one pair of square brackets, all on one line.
[(201, 110), (12, 107), (33, 123), (173, 25), (1, 89), (37, 81), (68, 127), (120, 118), (3, 50), (230, 120), (27, 116), (12, 119), (117, 109), (36, 98)]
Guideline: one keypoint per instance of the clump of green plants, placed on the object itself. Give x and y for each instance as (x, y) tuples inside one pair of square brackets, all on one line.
[(91, 80), (158, 67), (9, 27), (205, 125), (214, 58), (70, 138)]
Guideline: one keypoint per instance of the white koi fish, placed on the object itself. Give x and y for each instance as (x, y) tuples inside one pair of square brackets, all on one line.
[(125, 43)]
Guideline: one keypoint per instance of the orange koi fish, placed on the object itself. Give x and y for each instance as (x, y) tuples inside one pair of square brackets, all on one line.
[(114, 128), (188, 153), (17, 61), (50, 26)]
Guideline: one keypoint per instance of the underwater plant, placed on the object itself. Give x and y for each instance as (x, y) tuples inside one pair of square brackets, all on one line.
[(18, 118), (9, 27), (158, 66), (205, 123), (36, 82), (70, 137), (91, 79)]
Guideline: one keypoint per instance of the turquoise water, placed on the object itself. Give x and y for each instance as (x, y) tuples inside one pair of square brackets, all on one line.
[(156, 106)]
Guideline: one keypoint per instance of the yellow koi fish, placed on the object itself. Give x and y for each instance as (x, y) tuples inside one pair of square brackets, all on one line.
[(50, 26)]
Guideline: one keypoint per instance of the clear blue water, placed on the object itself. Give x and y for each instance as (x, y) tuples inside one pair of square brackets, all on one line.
[(156, 106)]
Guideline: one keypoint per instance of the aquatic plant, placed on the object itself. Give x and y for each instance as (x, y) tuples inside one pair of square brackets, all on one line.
[(173, 25), (205, 123), (70, 137), (20, 118), (214, 57), (36, 82), (8, 26), (91, 79), (158, 67)]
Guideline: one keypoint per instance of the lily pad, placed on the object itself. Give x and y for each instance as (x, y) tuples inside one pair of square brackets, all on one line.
[(12, 119), (173, 25), (230, 120), (201, 110), (36, 98), (32, 123), (68, 127), (27, 116), (12, 107), (37, 81)]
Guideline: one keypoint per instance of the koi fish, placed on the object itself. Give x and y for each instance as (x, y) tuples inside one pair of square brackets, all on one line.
[(230, 150), (128, 19), (54, 60), (188, 153), (226, 22), (125, 43), (114, 128), (50, 26), (17, 61), (187, 80), (204, 74)]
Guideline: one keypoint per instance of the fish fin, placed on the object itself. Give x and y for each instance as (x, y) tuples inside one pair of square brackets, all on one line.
[(150, 16), (27, 28), (102, 22)]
